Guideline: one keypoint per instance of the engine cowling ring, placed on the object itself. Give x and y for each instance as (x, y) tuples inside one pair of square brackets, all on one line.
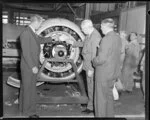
[(61, 30)]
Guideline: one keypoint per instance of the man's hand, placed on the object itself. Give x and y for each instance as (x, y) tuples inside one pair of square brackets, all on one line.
[(35, 70), (90, 73), (71, 42), (93, 62)]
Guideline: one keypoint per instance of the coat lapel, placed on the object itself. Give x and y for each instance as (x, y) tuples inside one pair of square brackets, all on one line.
[(33, 34)]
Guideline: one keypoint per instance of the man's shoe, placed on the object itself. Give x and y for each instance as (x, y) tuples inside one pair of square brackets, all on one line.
[(87, 111), (34, 116)]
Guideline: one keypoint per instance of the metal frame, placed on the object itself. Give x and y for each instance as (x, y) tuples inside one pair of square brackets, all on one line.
[(73, 99)]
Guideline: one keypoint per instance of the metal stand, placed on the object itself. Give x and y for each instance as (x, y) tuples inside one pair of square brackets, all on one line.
[(68, 99)]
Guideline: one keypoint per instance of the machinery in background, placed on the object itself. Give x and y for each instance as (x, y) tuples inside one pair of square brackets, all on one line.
[(11, 44)]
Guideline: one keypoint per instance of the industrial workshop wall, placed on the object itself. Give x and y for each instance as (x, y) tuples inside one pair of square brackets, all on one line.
[(133, 20), (11, 44)]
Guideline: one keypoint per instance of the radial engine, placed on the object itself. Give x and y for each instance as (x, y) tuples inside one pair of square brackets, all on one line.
[(63, 33)]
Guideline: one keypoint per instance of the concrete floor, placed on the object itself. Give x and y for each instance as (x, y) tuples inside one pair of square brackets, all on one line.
[(130, 106)]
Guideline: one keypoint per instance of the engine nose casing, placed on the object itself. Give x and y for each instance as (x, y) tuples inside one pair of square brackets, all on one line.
[(64, 33)]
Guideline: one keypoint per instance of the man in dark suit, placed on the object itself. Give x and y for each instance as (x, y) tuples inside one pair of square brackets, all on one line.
[(30, 44), (89, 50), (107, 65)]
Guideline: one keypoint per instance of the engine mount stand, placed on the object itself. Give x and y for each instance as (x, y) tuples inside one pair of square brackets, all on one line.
[(82, 99)]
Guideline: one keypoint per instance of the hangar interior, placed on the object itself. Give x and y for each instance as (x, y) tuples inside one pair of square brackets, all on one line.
[(129, 16)]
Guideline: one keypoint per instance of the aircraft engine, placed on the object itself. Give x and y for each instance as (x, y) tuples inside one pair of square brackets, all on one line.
[(63, 33)]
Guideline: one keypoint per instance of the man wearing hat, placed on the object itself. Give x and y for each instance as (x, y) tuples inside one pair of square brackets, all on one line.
[(107, 65)]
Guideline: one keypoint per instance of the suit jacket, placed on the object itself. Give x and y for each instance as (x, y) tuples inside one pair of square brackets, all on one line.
[(30, 44), (108, 61), (90, 48)]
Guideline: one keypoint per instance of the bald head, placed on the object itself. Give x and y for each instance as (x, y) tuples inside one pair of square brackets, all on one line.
[(87, 26)]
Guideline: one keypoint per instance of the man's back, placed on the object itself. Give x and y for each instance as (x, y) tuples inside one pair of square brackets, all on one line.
[(110, 48)]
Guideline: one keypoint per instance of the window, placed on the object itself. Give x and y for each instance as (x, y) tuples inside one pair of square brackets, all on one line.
[(24, 18), (21, 18), (5, 17)]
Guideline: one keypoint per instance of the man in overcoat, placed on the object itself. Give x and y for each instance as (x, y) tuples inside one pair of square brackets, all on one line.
[(107, 65), (30, 44), (89, 50)]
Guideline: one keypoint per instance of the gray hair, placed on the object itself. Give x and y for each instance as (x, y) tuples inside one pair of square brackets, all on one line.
[(87, 22), (36, 18)]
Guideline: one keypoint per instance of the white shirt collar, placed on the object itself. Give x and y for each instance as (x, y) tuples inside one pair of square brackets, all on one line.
[(32, 28)]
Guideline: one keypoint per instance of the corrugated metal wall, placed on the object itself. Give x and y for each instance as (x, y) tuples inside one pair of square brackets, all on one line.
[(98, 7), (133, 20), (103, 7)]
